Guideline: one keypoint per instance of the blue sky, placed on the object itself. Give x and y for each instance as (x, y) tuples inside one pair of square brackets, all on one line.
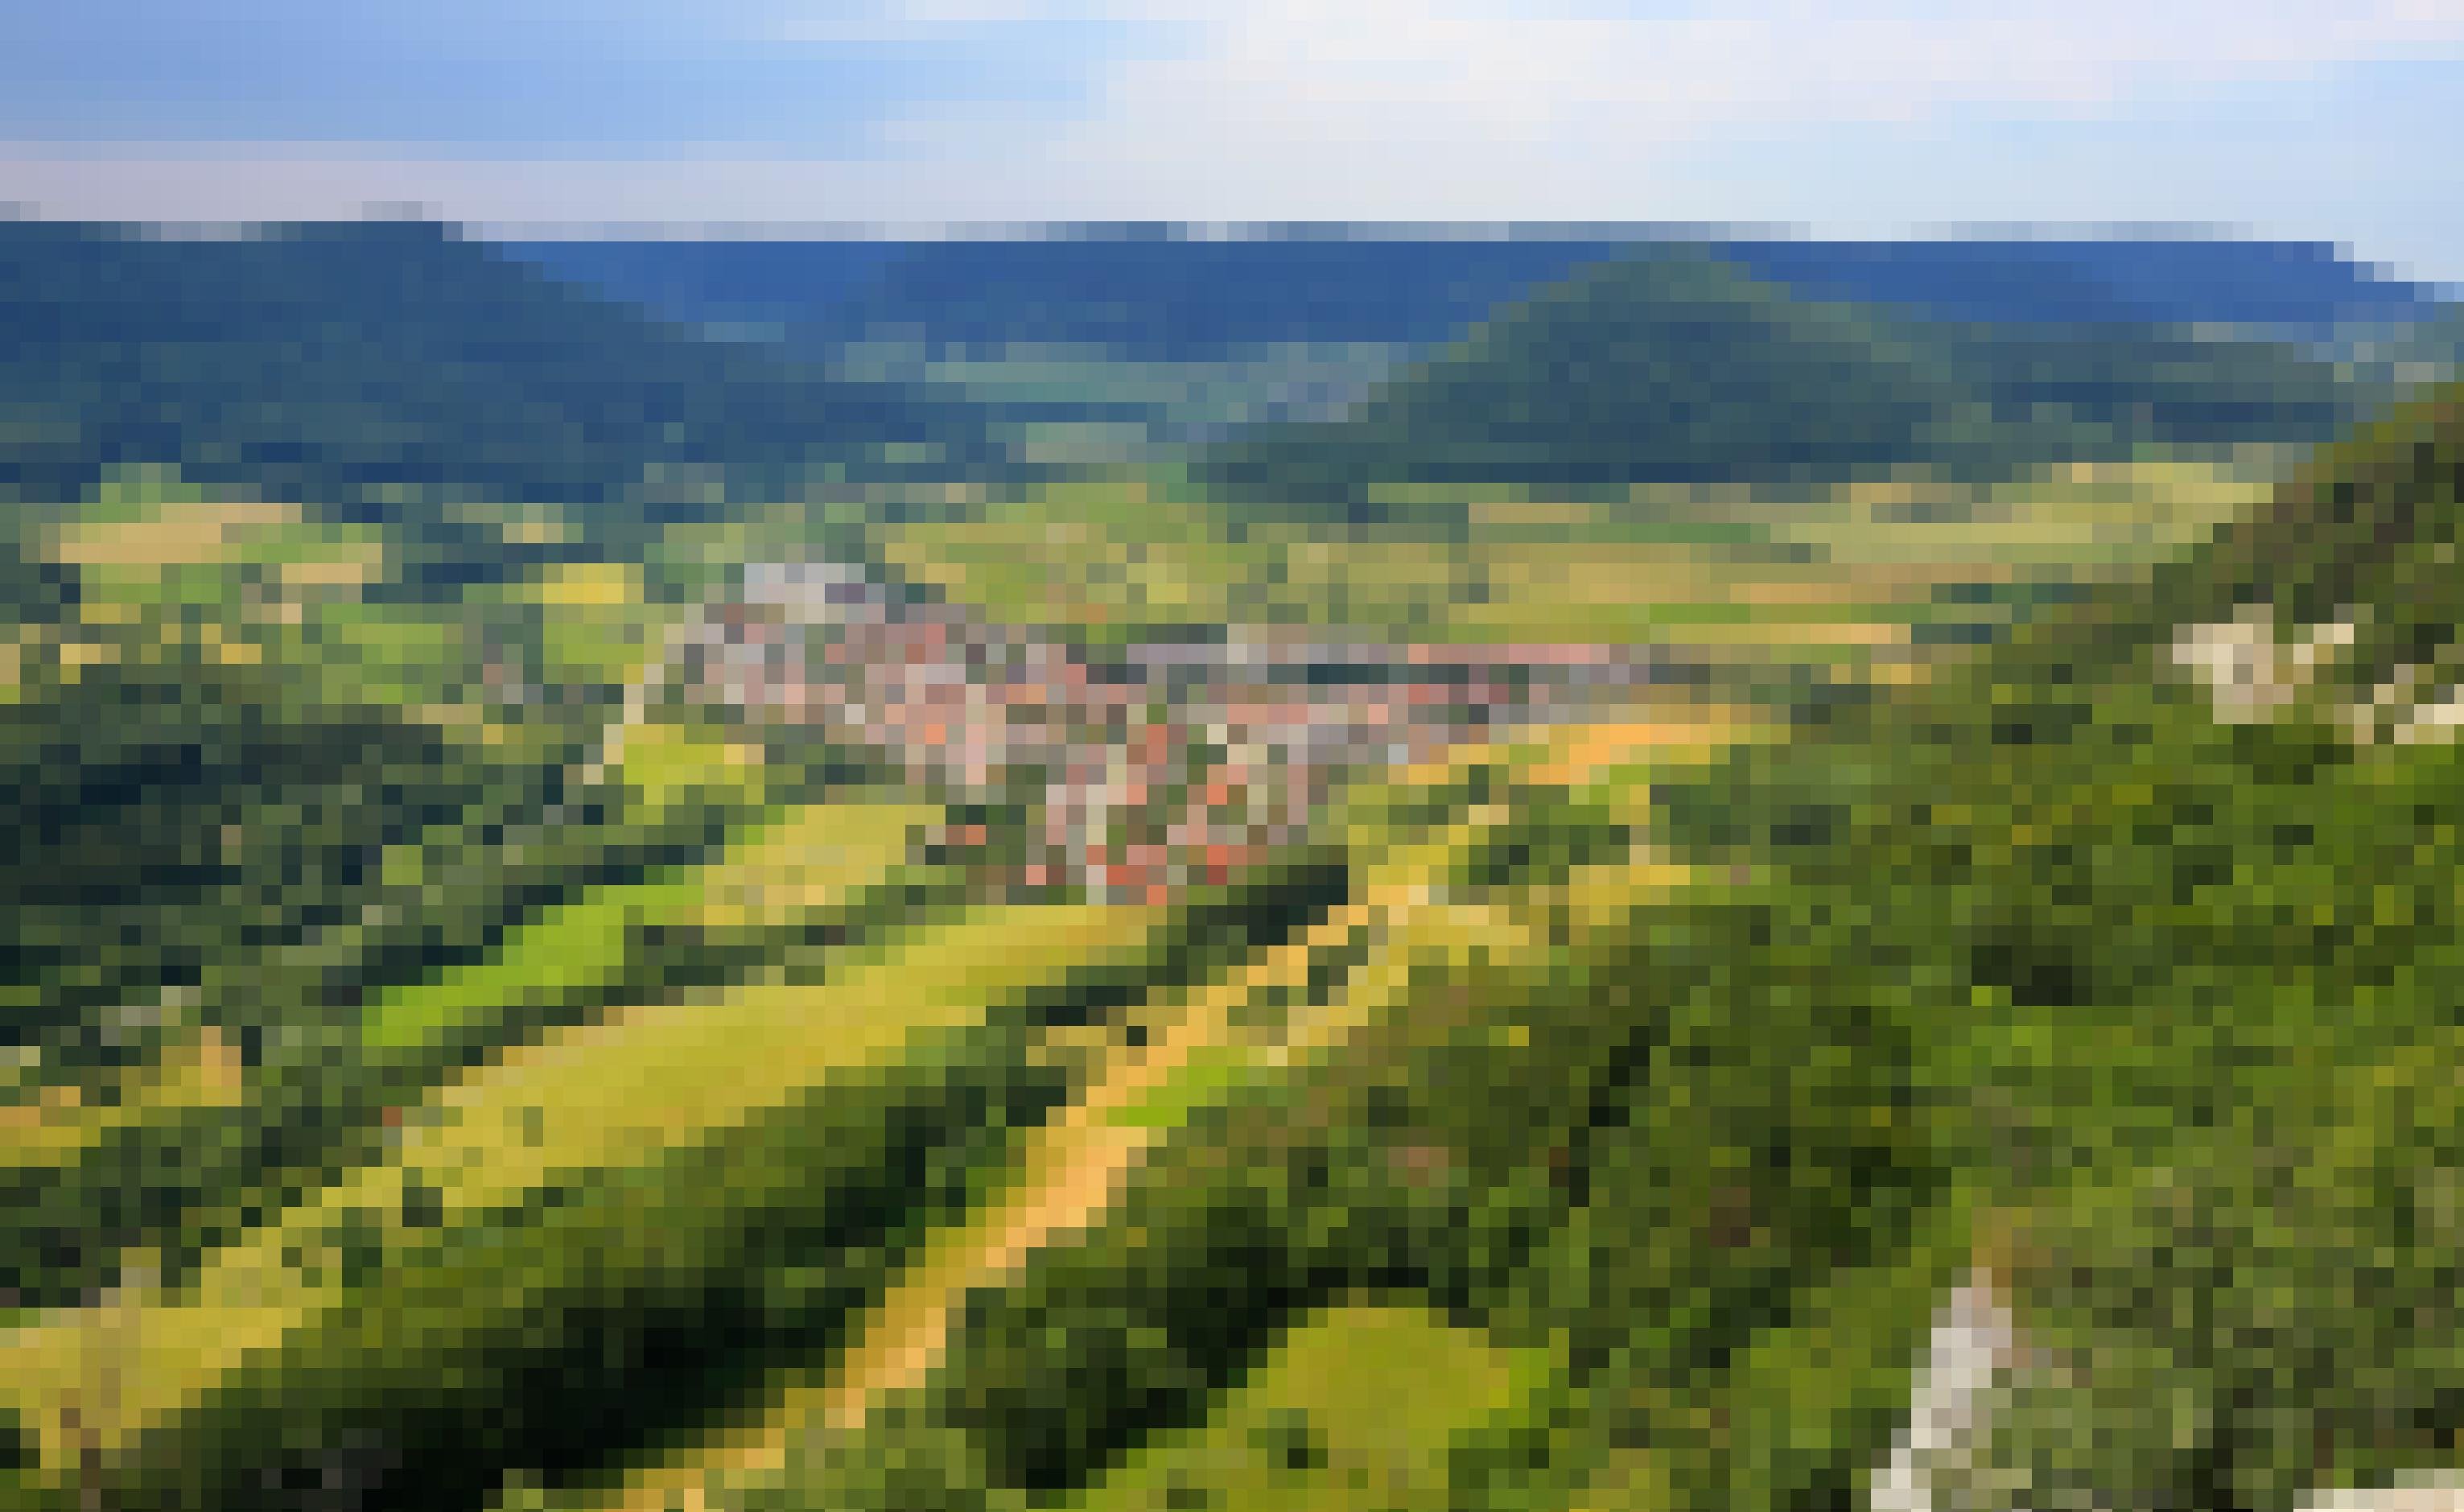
[(618, 80), (2319, 120)]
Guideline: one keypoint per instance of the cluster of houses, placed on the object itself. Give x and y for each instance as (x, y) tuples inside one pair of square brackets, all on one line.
[(1178, 763)]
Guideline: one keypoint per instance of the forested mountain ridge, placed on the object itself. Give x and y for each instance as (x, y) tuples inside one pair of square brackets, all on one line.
[(1676, 367), (384, 364), (1151, 295)]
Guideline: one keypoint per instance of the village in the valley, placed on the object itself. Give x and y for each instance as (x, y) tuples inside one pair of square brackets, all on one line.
[(1174, 763)]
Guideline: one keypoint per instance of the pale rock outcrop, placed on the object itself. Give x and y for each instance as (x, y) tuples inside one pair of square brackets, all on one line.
[(2252, 676), (2442, 1492), (1942, 1457)]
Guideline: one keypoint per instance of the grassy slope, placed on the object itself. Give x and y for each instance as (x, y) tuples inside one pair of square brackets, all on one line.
[(1351, 1412), (1780, 574)]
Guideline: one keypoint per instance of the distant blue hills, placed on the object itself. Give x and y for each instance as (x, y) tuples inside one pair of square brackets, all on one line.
[(376, 367), (1169, 299)]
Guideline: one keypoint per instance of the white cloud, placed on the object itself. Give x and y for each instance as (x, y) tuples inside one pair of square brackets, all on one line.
[(1462, 109), (1296, 92), (1505, 63), (862, 21)]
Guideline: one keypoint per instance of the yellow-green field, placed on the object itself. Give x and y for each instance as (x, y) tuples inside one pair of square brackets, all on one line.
[(1844, 568)]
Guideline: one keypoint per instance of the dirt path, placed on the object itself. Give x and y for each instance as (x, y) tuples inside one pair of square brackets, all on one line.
[(1065, 1182)]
